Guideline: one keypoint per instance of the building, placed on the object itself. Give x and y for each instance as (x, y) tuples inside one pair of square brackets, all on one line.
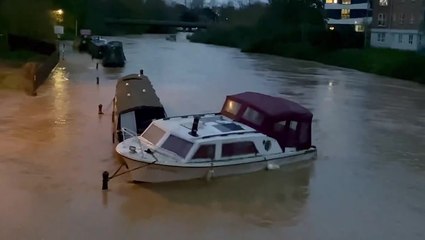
[(348, 14), (398, 24)]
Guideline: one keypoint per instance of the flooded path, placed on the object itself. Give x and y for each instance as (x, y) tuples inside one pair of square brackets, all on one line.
[(367, 183)]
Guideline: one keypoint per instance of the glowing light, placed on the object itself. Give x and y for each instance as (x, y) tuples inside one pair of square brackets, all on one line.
[(331, 28)]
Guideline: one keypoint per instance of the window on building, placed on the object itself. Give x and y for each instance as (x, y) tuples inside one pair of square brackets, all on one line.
[(253, 116), (238, 149), (359, 28), (383, 2), (345, 13), (346, 1), (177, 145), (331, 1), (381, 19), (402, 16), (381, 37), (410, 38), (205, 152), (412, 19), (400, 38)]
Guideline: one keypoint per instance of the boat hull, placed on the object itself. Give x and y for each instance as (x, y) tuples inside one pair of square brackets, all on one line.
[(156, 173)]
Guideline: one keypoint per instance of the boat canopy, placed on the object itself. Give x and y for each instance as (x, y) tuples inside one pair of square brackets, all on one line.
[(286, 121), (135, 91)]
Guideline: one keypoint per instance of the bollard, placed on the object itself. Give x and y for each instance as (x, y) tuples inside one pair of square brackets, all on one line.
[(105, 179), (141, 72), (97, 80), (100, 109), (97, 65)]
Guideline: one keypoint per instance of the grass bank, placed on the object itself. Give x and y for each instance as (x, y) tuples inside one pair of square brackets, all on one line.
[(387, 62)]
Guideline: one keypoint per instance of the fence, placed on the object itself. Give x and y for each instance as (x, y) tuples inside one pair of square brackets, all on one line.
[(17, 42), (43, 71)]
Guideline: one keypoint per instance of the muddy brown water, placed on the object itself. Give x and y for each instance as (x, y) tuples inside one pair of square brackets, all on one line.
[(368, 181)]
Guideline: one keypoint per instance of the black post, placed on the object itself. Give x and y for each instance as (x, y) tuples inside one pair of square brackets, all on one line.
[(194, 130), (105, 179), (141, 72), (97, 65), (100, 109), (97, 80)]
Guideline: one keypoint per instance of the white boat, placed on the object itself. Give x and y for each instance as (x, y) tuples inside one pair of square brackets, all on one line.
[(253, 132)]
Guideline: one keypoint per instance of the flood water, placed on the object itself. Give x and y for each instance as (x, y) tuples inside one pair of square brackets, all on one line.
[(368, 181)]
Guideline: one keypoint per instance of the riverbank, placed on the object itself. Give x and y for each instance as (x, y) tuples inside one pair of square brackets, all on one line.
[(387, 62), (16, 68)]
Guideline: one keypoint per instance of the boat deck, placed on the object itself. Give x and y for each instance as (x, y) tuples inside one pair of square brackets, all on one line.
[(209, 126)]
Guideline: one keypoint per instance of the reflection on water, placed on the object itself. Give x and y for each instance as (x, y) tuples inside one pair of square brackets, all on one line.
[(61, 95), (263, 198), (369, 173)]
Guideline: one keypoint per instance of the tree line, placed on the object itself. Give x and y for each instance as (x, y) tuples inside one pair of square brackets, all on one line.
[(34, 18)]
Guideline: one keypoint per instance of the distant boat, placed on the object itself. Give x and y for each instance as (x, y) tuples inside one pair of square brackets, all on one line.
[(96, 46), (172, 37), (113, 55), (135, 105), (83, 43)]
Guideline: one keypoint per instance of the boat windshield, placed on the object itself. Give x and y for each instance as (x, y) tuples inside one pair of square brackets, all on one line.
[(153, 134), (177, 145)]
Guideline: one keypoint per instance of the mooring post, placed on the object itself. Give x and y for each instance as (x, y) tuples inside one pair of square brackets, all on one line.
[(34, 86), (100, 109), (105, 179), (97, 80)]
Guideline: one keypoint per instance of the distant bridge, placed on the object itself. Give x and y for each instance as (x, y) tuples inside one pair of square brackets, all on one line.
[(128, 21)]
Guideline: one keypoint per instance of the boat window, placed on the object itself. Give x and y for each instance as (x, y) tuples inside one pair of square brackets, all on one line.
[(238, 148), (177, 145), (253, 116), (279, 126), (153, 134), (305, 134), (293, 125), (205, 152), (232, 107)]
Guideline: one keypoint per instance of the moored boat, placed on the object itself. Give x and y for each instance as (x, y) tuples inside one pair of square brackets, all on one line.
[(252, 132), (113, 55), (135, 105)]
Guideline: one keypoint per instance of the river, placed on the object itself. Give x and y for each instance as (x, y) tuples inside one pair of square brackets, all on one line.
[(368, 181)]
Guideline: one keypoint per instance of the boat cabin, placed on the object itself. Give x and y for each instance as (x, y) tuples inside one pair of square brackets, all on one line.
[(135, 104), (201, 138), (286, 121)]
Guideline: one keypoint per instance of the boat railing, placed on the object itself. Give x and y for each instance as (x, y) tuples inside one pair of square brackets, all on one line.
[(192, 115), (228, 134), (130, 134)]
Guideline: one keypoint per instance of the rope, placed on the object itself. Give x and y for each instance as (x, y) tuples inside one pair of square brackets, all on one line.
[(110, 104), (116, 175)]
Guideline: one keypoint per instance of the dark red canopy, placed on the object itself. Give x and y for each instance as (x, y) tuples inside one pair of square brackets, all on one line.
[(286, 121), (273, 107)]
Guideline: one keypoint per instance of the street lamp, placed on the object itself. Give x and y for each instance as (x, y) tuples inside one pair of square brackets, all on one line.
[(58, 15)]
